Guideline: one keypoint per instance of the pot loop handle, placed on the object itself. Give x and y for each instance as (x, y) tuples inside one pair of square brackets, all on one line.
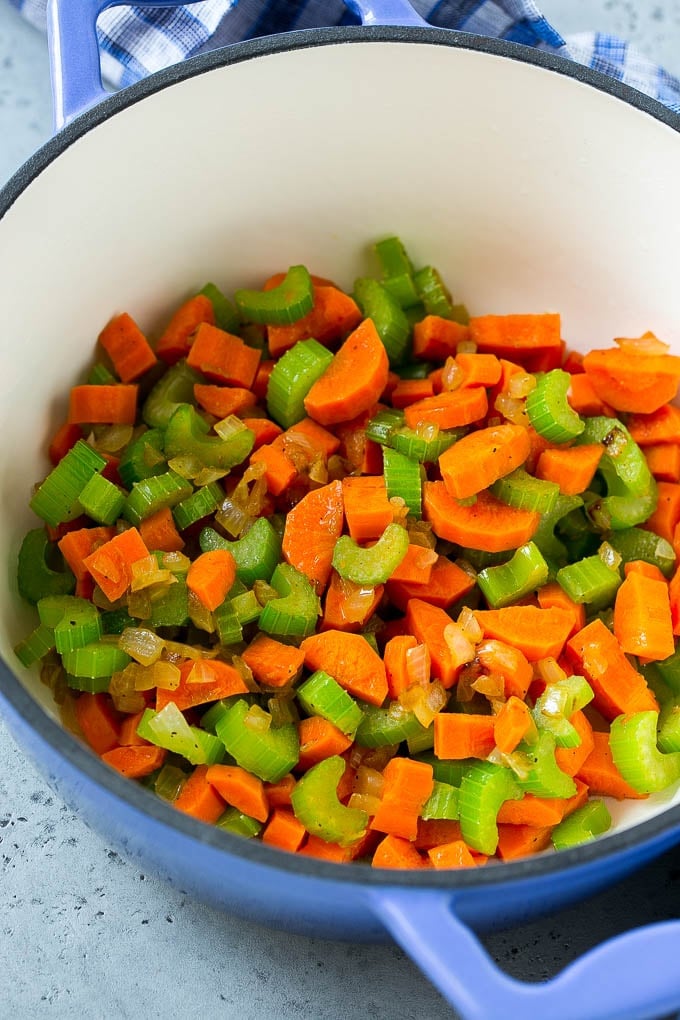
[(74, 49), (633, 976)]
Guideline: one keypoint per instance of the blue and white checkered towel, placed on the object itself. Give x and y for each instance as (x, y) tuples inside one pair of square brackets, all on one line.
[(135, 41)]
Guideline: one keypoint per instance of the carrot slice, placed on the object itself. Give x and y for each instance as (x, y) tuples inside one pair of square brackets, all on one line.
[(407, 785), (553, 596), (111, 564), (436, 339), (428, 624), (241, 789), (642, 617), (479, 459), (76, 546), (98, 721), (224, 400), (511, 724), (447, 583), (531, 810), (348, 606), (663, 460), (367, 508), (570, 759), (284, 831), (409, 391), (463, 735), (159, 532), (176, 338), (135, 761), (601, 775), (202, 681), (128, 348), (538, 633), (573, 469), (396, 663), (448, 409), (666, 516), (618, 687), (662, 426), (636, 382), (516, 336), (479, 369), (319, 739), (103, 405), (487, 524), (350, 660), (353, 381), (452, 855), (333, 314), (273, 663), (223, 357), (397, 853), (211, 575), (312, 528), (508, 662), (583, 399), (521, 840), (199, 798)]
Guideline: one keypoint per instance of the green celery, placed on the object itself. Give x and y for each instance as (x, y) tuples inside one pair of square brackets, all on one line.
[(639, 544), (483, 789), (35, 579), (295, 612), (540, 773), (256, 554), (373, 565), (142, 458), (186, 433), (56, 499), (94, 660), (322, 695), (633, 743), (555, 707), (631, 490), (198, 505), (291, 379), (521, 490), (590, 581), (239, 824), (442, 802), (377, 304), (316, 804), (155, 493), (38, 643), (268, 754), (582, 826), (226, 316), (549, 411), (523, 573), (385, 726), (291, 300), (403, 478), (175, 387), (102, 500)]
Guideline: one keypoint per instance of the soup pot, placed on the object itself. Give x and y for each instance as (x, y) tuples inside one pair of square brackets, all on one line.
[(532, 184)]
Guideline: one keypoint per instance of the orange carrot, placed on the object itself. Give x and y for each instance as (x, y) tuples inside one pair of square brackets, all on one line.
[(278, 794), (199, 798), (98, 721), (76, 546), (323, 851), (407, 785), (573, 363), (241, 789), (264, 370), (521, 840), (211, 576), (103, 405), (531, 810), (517, 337), (354, 379), (633, 381), (553, 596), (436, 339), (201, 681), (333, 314), (128, 736), (583, 399), (488, 524), (660, 427), (111, 564), (463, 735), (409, 391), (508, 662), (570, 759), (601, 775), (642, 617), (666, 516), (428, 624), (128, 348), (396, 663), (312, 528), (511, 724), (618, 687), (479, 369), (452, 855), (350, 660), (646, 569), (135, 761), (573, 469), (66, 437), (448, 409), (265, 431), (416, 566), (674, 596), (224, 400), (320, 438), (159, 532), (663, 460), (361, 454), (319, 739), (447, 583), (273, 663), (538, 633), (284, 831), (398, 854), (280, 471), (367, 508), (223, 357), (348, 606), (436, 832), (479, 459), (175, 340), (508, 370)]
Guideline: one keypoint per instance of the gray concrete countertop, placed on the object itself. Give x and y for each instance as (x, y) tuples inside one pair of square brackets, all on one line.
[(83, 933)]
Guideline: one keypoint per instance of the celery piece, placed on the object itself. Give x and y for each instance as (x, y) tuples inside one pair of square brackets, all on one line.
[(199, 504), (38, 643), (381, 426), (76, 621), (211, 746), (102, 500), (419, 742), (291, 379), (291, 300), (668, 736), (373, 565), (540, 773), (415, 369), (639, 544), (433, 293), (152, 494), (186, 433), (99, 375), (418, 447), (523, 573), (169, 782), (35, 579), (582, 826), (268, 754), (88, 684), (545, 538), (246, 607), (393, 258), (521, 490), (169, 729), (589, 581), (669, 670), (402, 289), (385, 311), (226, 316), (633, 743), (631, 490), (549, 411), (322, 695), (171, 609), (256, 554), (228, 625), (175, 387), (238, 823), (295, 612), (446, 770), (316, 804), (216, 711), (442, 802), (56, 499), (403, 478), (94, 660), (483, 789), (555, 707), (382, 727), (142, 458)]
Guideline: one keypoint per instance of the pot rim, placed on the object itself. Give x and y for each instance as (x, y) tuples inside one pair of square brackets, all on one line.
[(137, 797)]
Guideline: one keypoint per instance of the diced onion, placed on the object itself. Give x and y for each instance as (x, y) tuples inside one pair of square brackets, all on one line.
[(549, 670), (141, 644), (467, 621), (257, 719), (114, 437), (615, 442), (521, 384), (228, 427), (511, 409), (199, 615), (368, 781), (364, 802), (610, 556), (126, 698), (452, 375), (460, 646), (466, 347), (491, 685), (264, 592), (186, 465), (648, 343), (418, 664)]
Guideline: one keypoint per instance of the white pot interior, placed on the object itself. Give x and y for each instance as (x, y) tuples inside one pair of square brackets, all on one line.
[(529, 190)]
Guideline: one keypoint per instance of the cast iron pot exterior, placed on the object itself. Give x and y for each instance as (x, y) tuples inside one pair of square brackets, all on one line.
[(139, 202)]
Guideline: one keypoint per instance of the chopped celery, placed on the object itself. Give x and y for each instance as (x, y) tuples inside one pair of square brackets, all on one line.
[(640, 544), (268, 754), (315, 803), (523, 573), (633, 743), (445, 770), (549, 411), (186, 433), (56, 499), (631, 490), (292, 299), (378, 304), (169, 729), (143, 458), (228, 625), (94, 660), (35, 579), (374, 565), (589, 580), (382, 727), (256, 554), (198, 505), (403, 478), (238, 823), (539, 772), (38, 643), (292, 377), (583, 825), (169, 782), (175, 387), (442, 802), (559, 701), (76, 621), (171, 609), (102, 500), (152, 494), (295, 612), (322, 695), (525, 492), (226, 316), (483, 789)]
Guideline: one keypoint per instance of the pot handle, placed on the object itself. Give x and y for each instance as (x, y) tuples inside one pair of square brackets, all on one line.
[(74, 50), (634, 975)]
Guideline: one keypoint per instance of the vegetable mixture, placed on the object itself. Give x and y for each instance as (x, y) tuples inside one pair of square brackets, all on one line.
[(363, 577)]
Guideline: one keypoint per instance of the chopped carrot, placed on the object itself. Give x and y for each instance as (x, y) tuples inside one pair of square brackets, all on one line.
[(199, 798), (463, 735), (76, 546), (63, 440), (409, 391), (397, 853), (487, 524), (211, 576), (323, 851), (202, 681), (111, 564), (367, 508), (516, 336), (98, 721), (350, 660), (128, 736), (447, 583), (538, 633), (320, 438), (407, 785), (521, 840), (416, 566), (505, 660), (264, 370), (224, 400), (553, 596), (452, 855), (660, 427), (437, 339), (284, 831), (663, 460), (103, 405), (273, 663), (570, 759), (583, 399), (633, 381), (646, 569), (642, 617), (128, 348), (618, 687), (175, 341), (278, 794), (573, 363), (333, 314), (479, 369), (312, 528), (241, 789), (319, 739), (349, 606), (479, 459), (159, 532), (531, 810), (223, 357), (448, 409), (264, 430), (135, 762), (435, 832), (511, 724), (354, 379), (601, 775), (573, 469), (428, 625), (666, 516), (279, 471), (396, 663)]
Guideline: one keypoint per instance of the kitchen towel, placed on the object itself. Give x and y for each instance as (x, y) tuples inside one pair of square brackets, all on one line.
[(137, 41)]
